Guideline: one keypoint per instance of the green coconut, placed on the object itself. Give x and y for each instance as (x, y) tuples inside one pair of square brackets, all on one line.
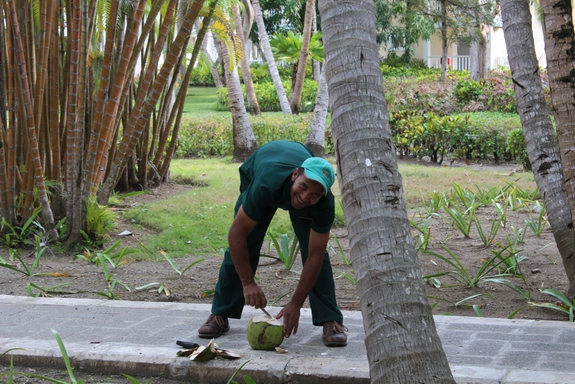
[(265, 333)]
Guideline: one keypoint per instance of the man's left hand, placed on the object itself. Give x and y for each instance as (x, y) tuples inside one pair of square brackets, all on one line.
[(290, 314)]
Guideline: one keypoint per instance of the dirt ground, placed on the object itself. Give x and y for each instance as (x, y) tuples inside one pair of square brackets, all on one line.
[(542, 268), (60, 276)]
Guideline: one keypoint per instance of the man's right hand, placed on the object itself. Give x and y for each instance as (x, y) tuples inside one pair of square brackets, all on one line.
[(254, 295)]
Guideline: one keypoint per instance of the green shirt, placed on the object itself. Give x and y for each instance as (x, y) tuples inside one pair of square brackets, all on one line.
[(265, 184)]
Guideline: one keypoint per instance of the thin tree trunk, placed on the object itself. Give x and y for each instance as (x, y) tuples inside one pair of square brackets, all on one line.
[(560, 51), (401, 340), (35, 165), (145, 103), (265, 42), (253, 106), (295, 100), (443, 40), (538, 132), (316, 138)]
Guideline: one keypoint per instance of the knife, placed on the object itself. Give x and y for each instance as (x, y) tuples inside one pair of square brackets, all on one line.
[(267, 313)]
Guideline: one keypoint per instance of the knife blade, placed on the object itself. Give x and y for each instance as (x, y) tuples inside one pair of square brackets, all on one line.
[(267, 313)]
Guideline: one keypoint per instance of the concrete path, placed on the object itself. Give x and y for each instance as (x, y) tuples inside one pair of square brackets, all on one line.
[(139, 338)]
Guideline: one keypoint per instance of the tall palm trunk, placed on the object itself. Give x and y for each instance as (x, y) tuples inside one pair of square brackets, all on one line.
[(272, 67), (560, 52), (316, 137), (295, 99), (401, 340), (538, 132), (244, 139), (253, 105)]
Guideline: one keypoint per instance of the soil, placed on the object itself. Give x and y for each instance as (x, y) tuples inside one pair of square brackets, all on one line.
[(61, 276)]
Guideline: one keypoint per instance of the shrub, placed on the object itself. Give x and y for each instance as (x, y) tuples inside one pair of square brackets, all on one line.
[(201, 76), (467, 90), (214, 136), (516, 146), (268, 98)]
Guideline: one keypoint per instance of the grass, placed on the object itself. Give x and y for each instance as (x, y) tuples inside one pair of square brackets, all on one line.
[(201, 102), (196, 222)]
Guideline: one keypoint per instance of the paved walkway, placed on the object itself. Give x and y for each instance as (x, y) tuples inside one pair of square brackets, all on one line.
[(139, 338)]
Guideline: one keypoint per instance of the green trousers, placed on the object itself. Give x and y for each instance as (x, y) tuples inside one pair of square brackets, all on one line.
[(229, 297)]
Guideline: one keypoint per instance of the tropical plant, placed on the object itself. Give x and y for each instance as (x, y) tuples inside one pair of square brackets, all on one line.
[(287, 248), (563, 305), (24, 268), (462, 220), (462, 274), (16, 235)]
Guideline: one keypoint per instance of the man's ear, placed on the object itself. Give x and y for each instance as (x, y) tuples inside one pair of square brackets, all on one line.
[(294, 175)]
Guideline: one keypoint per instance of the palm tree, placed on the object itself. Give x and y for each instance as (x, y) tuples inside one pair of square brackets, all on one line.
[(297, 89), (315, 140), (269, 57), (401, 340), (253, 105), (538, 132), (287, 48)]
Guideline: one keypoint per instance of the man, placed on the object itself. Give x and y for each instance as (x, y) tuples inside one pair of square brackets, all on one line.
[(281, 174)]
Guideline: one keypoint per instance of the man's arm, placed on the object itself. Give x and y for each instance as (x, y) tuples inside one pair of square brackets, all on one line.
[(309, 275), (241, 226)]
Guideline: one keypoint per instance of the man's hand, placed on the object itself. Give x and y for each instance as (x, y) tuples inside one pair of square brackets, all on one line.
[(254, 295), (290, 313)]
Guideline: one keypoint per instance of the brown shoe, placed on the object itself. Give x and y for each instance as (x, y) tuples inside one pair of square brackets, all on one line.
[(214, 327), (334, 334)]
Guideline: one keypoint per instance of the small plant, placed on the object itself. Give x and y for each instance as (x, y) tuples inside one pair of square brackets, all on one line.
[(25, 269), (115, 259), (466, 197), (346, 260), (44, 291), (462, 274), (457, 303), (512, 260), (422, 240), (563, 305), (436, 201), (462, 220), (486, 197), (100, 220), (487, 239), (16, 236), (109, 292), (162, 288), (287, 248), (539, 224), (175, 267)]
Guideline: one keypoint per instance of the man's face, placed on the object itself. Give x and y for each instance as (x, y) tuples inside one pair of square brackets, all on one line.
[(304, 191)]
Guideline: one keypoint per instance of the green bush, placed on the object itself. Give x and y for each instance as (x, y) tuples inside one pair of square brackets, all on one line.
[(467, 90), (201, 76), (429, 134), (268, 98), (516, 146), (214, 136)]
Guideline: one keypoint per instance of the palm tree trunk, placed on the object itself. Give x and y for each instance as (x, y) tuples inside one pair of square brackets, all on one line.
[(295, 99), (538, 132), (316, 138), (253, 105), (265, 42), (244, 139), (401, 340), (559, 45)]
